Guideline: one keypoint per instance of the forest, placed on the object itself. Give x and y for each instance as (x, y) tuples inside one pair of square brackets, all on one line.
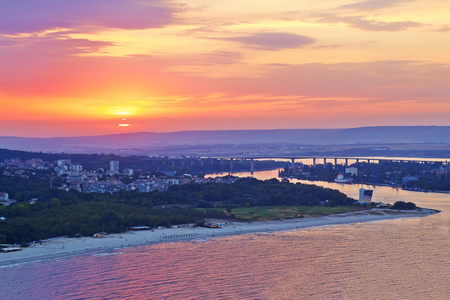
[(61, 213)]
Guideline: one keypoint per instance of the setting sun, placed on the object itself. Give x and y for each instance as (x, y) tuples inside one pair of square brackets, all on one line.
[(124, 123)]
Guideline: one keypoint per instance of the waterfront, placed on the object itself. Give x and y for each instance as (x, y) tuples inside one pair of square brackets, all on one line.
[(392, 259)]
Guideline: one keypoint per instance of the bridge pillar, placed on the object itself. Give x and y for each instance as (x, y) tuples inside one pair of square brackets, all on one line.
[(335, 162), (314, 161), (231, 166), (252, 166), (368, 161), (292, 162), (346, 162), (324, 162), (357, 160)]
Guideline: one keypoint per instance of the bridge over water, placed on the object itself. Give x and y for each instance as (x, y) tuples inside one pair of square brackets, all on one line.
[(306, 159), (313, 160)]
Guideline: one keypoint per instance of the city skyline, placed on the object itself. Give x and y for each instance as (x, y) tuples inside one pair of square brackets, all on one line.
[(102, 67)]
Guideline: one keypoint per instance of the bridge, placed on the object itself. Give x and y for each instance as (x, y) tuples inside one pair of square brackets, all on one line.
[(325, 159), (313, 160)]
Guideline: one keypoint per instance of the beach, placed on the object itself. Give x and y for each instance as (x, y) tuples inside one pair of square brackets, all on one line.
[(64, 247)]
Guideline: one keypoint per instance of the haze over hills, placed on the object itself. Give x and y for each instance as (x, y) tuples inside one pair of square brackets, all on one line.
[(151, 140)]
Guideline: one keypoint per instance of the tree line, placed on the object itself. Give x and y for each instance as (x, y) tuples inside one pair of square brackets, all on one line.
[(61, 213)]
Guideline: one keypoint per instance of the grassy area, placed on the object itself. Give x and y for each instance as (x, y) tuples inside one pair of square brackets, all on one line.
[(265, 213), (259, 213)]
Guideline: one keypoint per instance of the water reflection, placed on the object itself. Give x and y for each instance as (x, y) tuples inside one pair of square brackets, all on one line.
[(381, 193), (391, 259)]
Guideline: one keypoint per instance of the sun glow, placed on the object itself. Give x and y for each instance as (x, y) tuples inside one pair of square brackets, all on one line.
[(123, 110)]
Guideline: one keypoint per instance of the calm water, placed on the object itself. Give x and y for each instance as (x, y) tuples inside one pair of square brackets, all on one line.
[(395, 259)]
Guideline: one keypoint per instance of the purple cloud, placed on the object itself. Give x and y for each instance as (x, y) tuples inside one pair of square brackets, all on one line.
[(27, 16), (369, 25), (272, 40), (443, 29), (374, 4)]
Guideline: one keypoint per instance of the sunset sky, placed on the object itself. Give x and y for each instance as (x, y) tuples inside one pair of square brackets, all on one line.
[(88, 67)]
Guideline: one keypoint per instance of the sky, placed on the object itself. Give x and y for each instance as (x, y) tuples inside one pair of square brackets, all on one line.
[(90, 67)]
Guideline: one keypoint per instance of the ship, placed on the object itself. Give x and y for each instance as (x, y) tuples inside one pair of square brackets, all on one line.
[(341, 179)]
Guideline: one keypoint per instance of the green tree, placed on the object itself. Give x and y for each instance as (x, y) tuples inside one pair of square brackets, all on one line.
[(2, 239), (54, 202), (110, 219)]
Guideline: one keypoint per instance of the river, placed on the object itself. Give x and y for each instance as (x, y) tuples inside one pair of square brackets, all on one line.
[(392, 259)]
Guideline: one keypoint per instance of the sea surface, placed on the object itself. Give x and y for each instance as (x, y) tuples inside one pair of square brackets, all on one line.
[(391, 259)]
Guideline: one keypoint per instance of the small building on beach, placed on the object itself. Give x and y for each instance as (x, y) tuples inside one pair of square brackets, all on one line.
[(139, 228), (365, 196)]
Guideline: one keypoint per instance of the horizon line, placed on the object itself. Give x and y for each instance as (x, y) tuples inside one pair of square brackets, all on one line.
[(218, 130)]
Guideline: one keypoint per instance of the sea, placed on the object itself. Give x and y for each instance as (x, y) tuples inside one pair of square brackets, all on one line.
[(390, 259)]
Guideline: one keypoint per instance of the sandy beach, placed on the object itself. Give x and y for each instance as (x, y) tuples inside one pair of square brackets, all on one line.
[(64, 247)]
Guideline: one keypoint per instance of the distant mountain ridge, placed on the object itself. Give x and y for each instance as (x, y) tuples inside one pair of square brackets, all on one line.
[(152, 140)]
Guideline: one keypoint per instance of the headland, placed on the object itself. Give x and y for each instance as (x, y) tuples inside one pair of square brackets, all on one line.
[(64, 247)]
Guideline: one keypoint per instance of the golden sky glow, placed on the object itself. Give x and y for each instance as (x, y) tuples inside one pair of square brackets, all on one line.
[(202, 65)]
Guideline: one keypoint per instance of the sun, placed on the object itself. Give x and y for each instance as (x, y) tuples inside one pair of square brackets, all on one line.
[(124, 123), (121, 114)]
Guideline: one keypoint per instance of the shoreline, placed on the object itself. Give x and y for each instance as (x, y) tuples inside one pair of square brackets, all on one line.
[(63, 247), (373, 184)]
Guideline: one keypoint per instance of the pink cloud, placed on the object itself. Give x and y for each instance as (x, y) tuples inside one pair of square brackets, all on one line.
[(27, 16), (29, 63), (383, 80)]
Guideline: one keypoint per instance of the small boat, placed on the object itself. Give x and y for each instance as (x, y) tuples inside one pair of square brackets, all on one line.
[(11, 249), (341, 179)]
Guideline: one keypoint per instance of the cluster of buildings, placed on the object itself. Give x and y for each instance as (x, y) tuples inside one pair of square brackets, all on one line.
[(111, 180), (299, 171), (143, 185), (16, 167)]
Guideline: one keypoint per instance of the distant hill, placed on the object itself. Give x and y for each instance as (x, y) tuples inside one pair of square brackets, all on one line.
[(152, 140)]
